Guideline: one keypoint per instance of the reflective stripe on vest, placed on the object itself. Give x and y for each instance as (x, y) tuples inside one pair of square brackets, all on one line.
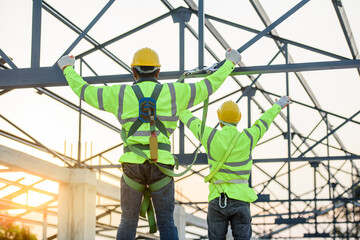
[(121, 105), (148, 133), (82, 94), (190, 121), (100, 98), (209, 87), (238, 181), (211, 136), (251, 140), (173, 99), (239, 164), (192, 96), (234, 172), (265, 124)]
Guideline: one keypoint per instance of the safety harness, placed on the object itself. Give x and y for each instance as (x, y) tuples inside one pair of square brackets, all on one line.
[(210, 177), (147, 114)]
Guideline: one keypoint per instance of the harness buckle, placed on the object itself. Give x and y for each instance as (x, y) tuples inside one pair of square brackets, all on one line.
[(225, 200)]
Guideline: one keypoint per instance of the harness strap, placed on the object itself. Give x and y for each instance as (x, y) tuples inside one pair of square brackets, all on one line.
[(137, 91), (224, 158), (134, 127), (139, 95), (155, 95), (161, 146), (161, 127), (146, 205)]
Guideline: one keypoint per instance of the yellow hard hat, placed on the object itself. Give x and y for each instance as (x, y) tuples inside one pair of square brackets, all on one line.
[(229, 112), (146, 57)]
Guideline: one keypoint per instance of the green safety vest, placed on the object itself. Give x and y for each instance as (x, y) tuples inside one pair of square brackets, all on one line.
[(233, 175), (122, 101)]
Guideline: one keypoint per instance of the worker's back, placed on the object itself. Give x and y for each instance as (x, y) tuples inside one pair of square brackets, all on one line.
[(237, 165), (172, 99), (232, 177), (166, 111)]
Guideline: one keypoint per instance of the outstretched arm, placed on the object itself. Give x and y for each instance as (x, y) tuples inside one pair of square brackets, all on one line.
[(192, 122), (98, 97), (261, 125)]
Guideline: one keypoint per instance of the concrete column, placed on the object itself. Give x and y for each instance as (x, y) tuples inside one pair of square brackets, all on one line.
[(180, 221), (77, 205)]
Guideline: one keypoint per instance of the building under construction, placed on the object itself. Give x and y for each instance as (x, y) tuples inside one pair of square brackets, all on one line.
[(59, 168)]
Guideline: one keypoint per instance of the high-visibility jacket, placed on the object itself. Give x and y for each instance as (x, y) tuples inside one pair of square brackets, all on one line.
[(121, 101), (238, 164)]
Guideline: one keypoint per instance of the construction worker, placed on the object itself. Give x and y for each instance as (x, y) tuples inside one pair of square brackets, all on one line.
[(229, 155), (148, 113)]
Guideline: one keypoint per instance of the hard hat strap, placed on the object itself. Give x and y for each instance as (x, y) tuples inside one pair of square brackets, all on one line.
[(227, 124), (138, 68)]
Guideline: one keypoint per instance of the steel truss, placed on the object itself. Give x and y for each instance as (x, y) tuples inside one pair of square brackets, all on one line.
[(318, 216)]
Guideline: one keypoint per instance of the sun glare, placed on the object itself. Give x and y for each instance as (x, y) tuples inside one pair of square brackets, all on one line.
[(32, 199), (8, 190), (15, 211), (3, 167), (12, 176), (48, 186)]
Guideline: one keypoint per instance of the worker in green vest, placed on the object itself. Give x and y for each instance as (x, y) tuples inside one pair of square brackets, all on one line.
[(229, 155), (148, 113)]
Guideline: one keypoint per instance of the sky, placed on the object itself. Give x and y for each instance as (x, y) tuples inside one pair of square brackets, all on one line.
[(56, 126)]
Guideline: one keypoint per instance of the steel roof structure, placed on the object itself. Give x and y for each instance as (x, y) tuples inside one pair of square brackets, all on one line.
[(305, 168)]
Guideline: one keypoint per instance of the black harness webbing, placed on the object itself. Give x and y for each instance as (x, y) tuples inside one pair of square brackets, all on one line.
[(161, 146), (155, 94)]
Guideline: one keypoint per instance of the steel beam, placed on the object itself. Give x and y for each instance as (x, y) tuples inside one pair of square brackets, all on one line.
[(53, 76), (272, 26), (77, 30), (186, 159), (341, 14), (87, 29), (277, 38), (128, 33), (331, 133)]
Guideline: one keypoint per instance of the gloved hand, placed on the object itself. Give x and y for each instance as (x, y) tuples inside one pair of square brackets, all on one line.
[(284, 101), (233, 55), (65, 61)]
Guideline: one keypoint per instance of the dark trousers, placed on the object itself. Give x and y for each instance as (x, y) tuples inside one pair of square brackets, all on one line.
[(163, 201), (236, 212)]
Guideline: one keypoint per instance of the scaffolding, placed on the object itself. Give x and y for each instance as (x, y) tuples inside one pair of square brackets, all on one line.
[(305, 169)]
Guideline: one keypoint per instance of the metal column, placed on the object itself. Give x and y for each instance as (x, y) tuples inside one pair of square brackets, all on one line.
[(181, 16)]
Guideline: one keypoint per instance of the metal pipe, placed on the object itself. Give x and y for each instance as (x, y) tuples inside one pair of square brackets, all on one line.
[(288, 129), (201, 18), (87, 29)]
